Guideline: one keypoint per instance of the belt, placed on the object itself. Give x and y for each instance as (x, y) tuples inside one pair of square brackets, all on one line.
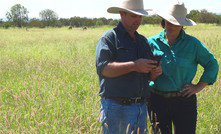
[(127, 101), (167, 94)]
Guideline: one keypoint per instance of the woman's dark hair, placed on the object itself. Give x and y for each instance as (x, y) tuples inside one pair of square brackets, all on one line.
[(162, 23)]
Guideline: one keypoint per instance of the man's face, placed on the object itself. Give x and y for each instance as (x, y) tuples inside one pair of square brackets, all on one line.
[(130, 21)]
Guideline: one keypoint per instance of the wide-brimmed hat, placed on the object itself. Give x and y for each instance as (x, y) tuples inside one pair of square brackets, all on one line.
[(131, 6), (177, 15)]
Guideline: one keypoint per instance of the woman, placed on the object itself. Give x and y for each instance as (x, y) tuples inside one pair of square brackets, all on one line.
[(173, 98)]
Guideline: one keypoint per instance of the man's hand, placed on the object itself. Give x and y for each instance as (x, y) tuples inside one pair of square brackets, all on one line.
[(144, 65), (115, 69)]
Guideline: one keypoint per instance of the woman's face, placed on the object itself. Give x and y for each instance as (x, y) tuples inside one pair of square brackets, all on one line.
[(171, 27)]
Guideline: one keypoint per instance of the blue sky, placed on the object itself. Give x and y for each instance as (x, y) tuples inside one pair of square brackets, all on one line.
[(97, 8)]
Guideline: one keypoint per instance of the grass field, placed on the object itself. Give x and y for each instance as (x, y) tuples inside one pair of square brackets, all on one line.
[(48, 82)]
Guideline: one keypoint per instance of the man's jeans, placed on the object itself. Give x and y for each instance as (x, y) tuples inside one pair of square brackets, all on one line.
[(123, 119)]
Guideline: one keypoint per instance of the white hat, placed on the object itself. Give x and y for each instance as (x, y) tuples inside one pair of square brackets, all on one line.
[(132, 6), (177, 15)]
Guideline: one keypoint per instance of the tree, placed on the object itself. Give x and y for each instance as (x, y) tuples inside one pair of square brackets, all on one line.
[(76, 21), (206, 17), (35, 23), (88, 22), (99, 23), (18, 15), (193, 15), (113, 22), (64, 22), (151, 20), (1, 21), (105, 21), (219, 19), (48, 17)]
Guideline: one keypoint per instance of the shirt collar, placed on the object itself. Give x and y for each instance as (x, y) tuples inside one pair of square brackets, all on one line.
[(121, 28), (123, 31)]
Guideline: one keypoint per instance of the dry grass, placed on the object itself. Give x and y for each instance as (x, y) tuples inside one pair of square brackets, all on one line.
[(48, 82)]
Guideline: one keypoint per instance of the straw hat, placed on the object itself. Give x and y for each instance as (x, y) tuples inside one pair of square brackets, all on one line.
[(177, 15), (131, 6)]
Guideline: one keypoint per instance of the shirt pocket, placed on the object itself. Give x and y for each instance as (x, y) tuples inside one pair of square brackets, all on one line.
[(183, 62), (125, 54)]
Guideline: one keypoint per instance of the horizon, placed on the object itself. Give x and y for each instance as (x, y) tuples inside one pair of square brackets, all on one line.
[(72, 8)]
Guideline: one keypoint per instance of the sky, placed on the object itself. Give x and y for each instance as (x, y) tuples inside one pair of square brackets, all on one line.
[(98, 8)]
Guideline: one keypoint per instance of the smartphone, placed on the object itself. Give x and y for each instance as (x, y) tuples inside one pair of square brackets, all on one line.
[(157, 58)]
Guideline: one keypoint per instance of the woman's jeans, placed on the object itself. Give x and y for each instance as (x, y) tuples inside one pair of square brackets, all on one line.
[(123, 119), (180, 111)]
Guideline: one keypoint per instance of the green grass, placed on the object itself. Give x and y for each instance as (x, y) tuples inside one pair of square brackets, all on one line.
[(48, 81)]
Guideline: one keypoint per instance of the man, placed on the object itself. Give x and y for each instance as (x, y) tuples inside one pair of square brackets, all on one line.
[(124, 66)]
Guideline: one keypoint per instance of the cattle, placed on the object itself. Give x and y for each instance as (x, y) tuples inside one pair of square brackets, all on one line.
[(69, 27), (84, 28)]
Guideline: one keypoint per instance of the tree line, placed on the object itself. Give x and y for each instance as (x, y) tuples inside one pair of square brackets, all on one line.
[(18, 17)]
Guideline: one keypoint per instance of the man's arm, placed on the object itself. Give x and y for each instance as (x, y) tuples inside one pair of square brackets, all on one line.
[(115, 69)]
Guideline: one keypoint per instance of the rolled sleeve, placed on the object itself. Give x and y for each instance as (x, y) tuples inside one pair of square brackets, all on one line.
[(103, 54), (209, 63), (210, 72)]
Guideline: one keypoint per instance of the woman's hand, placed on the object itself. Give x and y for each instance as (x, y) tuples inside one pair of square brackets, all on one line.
[(155, 72), (191, 89)]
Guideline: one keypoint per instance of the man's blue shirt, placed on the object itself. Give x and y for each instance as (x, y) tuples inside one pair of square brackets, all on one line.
[(116, 45)]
